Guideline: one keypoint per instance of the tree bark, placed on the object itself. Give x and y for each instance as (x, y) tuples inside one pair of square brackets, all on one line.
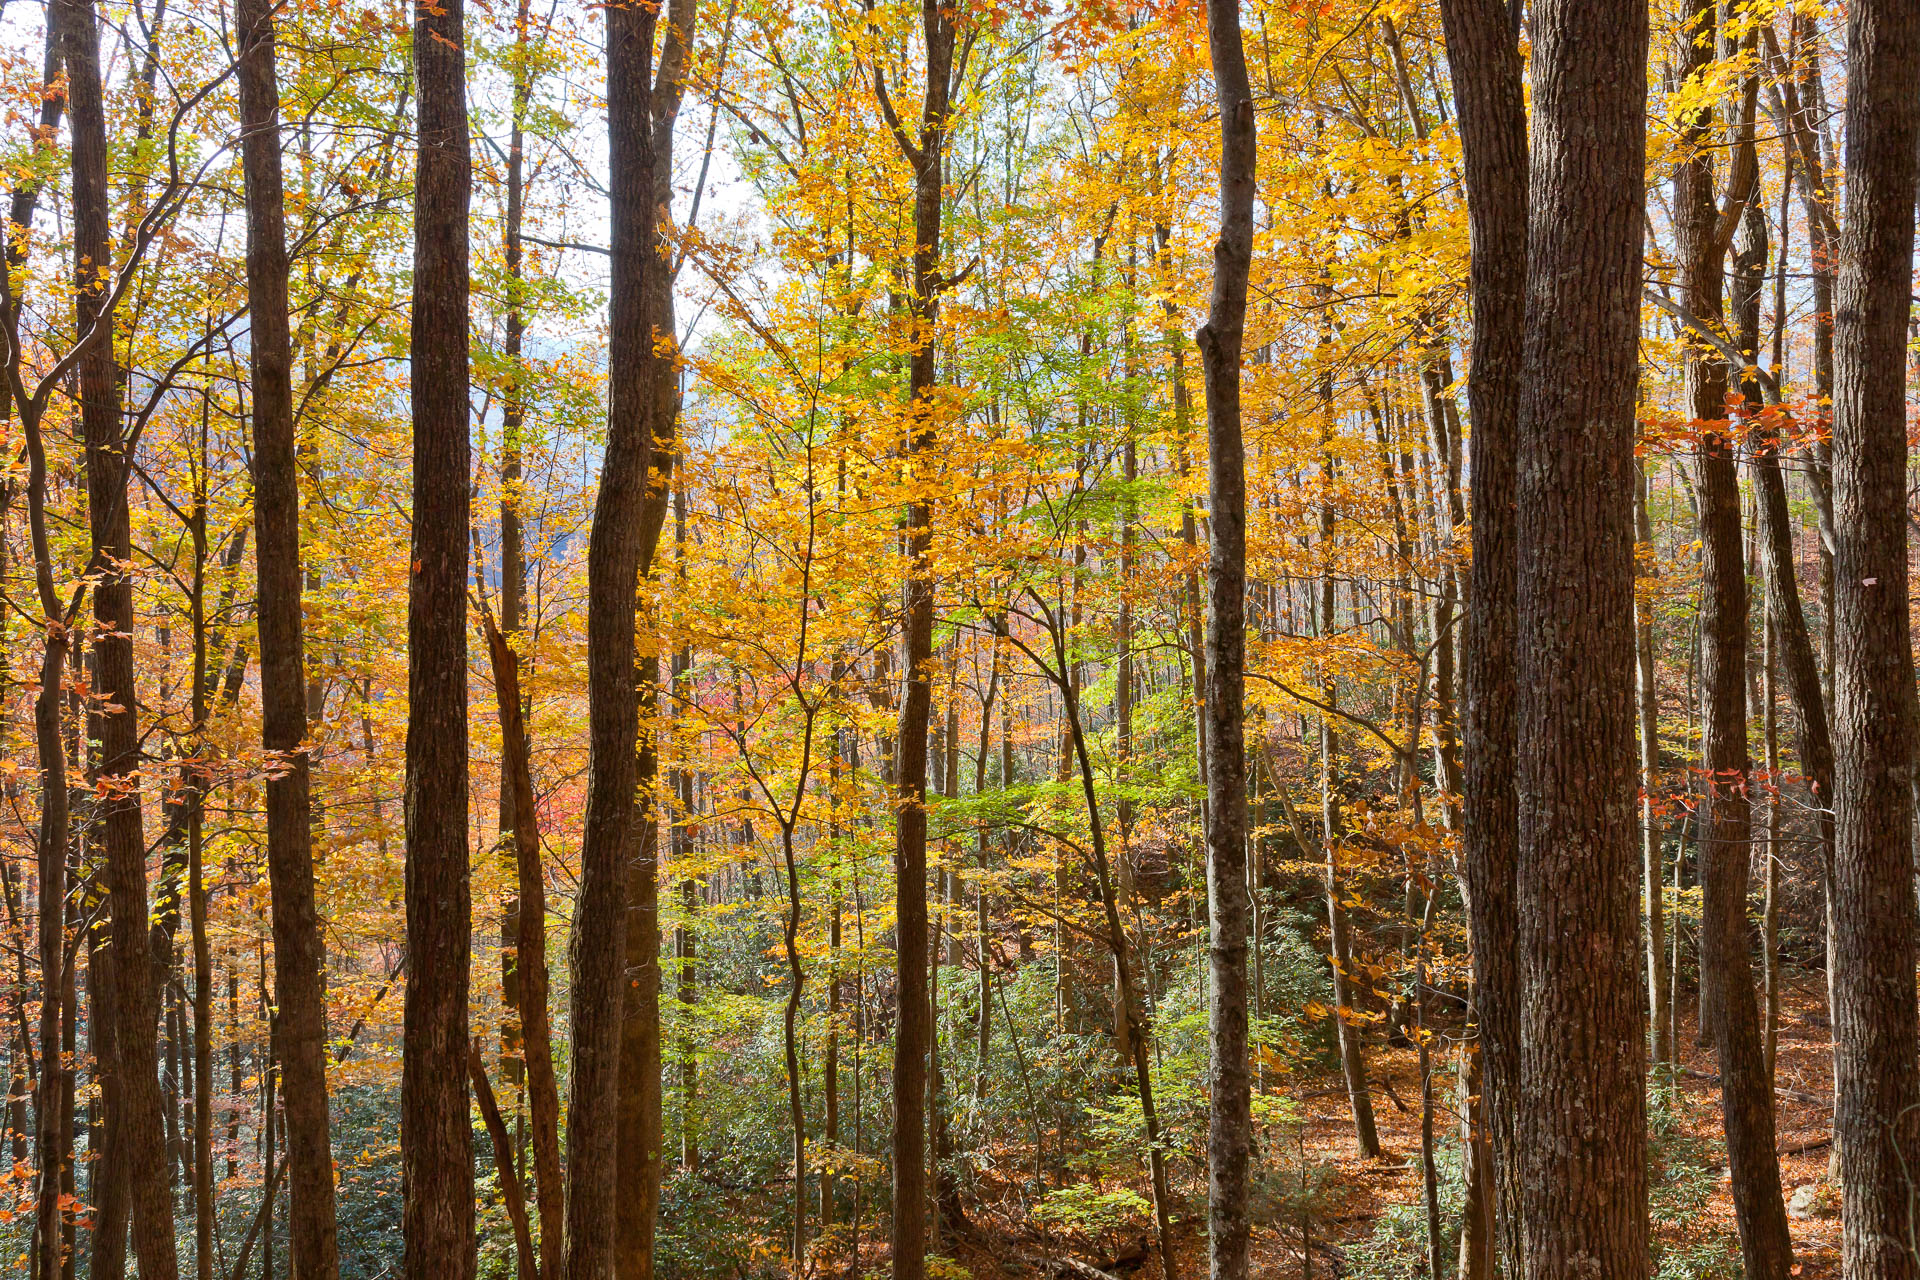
[(611, 838), (914, 1018), (1484, 55), (299, 958), (436, 1134), (1877, 1108), (1220, 341), (1582, 1120), (638, 1167), (1704, 232), (137, 1124), (530, 961), (54, 1087)]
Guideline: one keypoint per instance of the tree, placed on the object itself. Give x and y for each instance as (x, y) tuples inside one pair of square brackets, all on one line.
[(299, 961), (1230, 1137), (1582, 1121), (1484, 55), (924, 152), (436, 1131), (1877, 1102), (616, 858), (135, 1133)]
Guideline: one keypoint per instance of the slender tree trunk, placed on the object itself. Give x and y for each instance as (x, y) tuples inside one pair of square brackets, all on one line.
[(299, 960), (1652, 846), (1877, 1109), (530, 962), (1704, 233), (1138, 1034), (511, 1188), (436, 1133), (925, 153), (1220, 340), (1484, 55), (790, 1014), (681, 851), (1353, 1066), (53, 1094), (1583, 1057), (513, 569)]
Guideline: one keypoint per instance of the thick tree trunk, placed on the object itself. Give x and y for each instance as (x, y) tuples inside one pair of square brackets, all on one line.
[(1230, 1128), (137, 1124), (639, 1165), (1484, 55), (611, 838), (1582, 1015), (436, 1133), (299, 960), (1877, 1108)]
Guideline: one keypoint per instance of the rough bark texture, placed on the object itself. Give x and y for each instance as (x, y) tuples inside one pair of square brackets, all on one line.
[(1704, 233), (436, 1134), (1229, 1132), (638, 1167), (134, 1116), (299, 960), (612, 837), (1877, 1108), (1582, 1103), (1485, 60)]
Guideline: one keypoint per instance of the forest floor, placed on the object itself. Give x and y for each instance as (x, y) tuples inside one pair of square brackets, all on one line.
[(1367, 1221)]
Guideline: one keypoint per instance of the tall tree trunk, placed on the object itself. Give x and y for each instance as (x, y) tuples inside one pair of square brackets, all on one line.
[(1704, 233), (299, 960), (1483, 52), (53, 1093), (513, 553), (613, 1126), (1877, 1110), (1582, 1016), (137, 1123), (610, 841), (1220, 340), (638, 1167), (924, 150), (436, 1133)]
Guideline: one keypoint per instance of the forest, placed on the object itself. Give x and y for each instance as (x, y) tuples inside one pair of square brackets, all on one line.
[(1074, 639)]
